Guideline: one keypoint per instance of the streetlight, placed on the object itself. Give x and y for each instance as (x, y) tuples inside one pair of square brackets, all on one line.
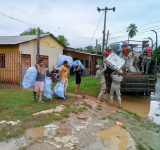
[(151, 40)]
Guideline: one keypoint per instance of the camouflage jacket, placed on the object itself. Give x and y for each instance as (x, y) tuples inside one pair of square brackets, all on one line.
[(100, 74), (116, 81)]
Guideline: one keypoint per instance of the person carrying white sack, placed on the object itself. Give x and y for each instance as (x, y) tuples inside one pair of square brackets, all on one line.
[(102, 81), (116, 86)]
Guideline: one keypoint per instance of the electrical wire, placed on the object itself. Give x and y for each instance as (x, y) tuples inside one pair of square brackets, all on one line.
[(96, 29)]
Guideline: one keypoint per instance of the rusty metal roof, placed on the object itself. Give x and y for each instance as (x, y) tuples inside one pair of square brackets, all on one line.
[(14, 40), (69, 49)]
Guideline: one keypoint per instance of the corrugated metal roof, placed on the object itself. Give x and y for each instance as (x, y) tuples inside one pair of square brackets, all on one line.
[(13, 40)]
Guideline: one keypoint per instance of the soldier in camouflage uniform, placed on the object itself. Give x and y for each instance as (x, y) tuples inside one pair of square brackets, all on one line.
[(102, 81), (127, 55), (136, 62), (147, 56), (115, 87)]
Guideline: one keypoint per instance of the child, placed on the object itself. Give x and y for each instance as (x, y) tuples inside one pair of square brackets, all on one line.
[(116, 81)]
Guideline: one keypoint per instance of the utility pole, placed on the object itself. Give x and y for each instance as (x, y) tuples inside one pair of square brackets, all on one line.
[(38, 42), (104, 30), (96, 45), (107, 38)]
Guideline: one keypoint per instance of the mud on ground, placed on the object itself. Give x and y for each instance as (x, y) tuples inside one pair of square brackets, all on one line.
[(95, 128)]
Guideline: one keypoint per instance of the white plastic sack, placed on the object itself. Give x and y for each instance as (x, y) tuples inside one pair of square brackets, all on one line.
[(30, 77), (115, 62), (47, 87), (76, 63), (132, 69), (62, 58), (59, 90)]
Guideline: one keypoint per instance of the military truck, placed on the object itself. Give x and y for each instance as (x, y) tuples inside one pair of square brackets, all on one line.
[(137, 83)]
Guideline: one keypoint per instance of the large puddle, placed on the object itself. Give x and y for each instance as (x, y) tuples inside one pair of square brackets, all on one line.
[(144, 106), (31, 134), (12, 144), (114, 138)]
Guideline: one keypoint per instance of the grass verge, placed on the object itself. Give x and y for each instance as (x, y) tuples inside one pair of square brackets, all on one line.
[(18, 105), (89, 85)]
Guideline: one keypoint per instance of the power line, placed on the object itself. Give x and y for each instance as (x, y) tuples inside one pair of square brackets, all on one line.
[(96, 28)]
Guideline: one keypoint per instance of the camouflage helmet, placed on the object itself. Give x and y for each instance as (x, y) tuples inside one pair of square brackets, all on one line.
[(98, 66), (120, 71), (108, 47), (146, 44), (124, 43)]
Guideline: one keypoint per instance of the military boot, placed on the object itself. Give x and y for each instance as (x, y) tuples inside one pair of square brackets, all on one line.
[(142, 71), (111, 103), (99, 100), (120, 105)]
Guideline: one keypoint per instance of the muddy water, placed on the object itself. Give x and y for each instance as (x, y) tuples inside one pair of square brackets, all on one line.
[(145, 108), (12, 144), (114, 138), (31, 134), (39, 132)]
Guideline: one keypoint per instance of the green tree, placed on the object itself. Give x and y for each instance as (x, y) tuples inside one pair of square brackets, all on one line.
[(81, 49), (89, 48), (99, 48), (33, 31), (63, 40), (132, 30), (158, 55)]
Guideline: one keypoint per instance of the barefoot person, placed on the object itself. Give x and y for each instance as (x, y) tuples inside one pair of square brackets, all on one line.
[(102, 81), (39, 84), (115, 87), (78, 78)]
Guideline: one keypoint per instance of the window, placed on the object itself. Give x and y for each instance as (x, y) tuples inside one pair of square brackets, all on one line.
[(2, 60), (87, 63)]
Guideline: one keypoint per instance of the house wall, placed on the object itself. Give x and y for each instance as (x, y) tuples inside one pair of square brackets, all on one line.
[(47, 41), (83, 57), (51, 52), (12, 60)]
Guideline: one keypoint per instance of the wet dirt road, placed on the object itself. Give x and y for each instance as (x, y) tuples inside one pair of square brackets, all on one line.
[(94, 133)]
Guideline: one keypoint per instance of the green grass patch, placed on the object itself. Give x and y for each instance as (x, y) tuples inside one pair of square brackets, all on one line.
[(89, 85), (18, 105), (124, 127), (139, 146), (137, 117), (86, 104)]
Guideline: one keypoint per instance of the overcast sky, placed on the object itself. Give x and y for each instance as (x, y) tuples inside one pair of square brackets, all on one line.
[(78, 19)]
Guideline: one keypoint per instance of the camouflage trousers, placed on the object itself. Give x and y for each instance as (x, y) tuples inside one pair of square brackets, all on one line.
[(137, 64), (127, 62), (146, 62), (118, 93), (103, 89)]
